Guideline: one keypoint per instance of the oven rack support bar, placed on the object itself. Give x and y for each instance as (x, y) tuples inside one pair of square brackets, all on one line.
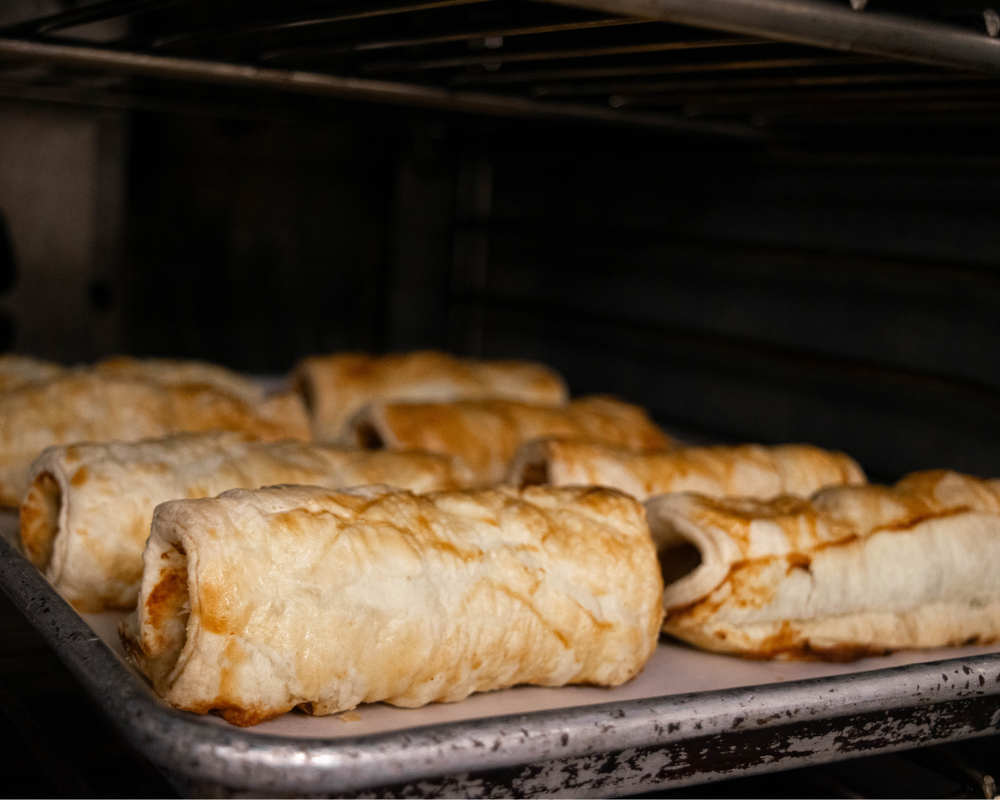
[(348, 88), (820, 24)]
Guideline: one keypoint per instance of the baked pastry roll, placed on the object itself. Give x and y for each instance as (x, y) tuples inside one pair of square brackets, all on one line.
[(484, 435), (254, 603), (855, 571), (748, 470), (84, 406), (18, 370), (177, 372), (336, 387), (86, 518)]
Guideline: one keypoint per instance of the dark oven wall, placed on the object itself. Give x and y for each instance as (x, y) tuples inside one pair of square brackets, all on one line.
[(254, 241), (758, 294), (839, 294)]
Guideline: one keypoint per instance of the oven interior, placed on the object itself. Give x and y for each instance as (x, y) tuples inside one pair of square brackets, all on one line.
[(760, 229)]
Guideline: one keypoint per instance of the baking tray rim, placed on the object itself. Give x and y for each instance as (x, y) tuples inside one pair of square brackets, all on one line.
[(201, 752)]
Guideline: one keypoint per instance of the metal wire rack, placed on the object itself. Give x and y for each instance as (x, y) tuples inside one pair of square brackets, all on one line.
[(737, 68)]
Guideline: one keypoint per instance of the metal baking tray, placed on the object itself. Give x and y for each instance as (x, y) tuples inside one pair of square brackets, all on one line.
[(689, 717)]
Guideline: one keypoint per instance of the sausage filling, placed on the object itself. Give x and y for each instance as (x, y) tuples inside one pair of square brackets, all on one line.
[(40, 519)]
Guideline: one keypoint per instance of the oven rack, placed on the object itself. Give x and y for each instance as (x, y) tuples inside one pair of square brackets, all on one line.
[(738, 68)]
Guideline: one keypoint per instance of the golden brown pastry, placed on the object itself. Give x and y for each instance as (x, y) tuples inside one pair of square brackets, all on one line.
[(177, 372), (254, 603), (84, 406), (484, 435), (748, 470), (87, 514), (855, 571), (336, 387), (18, 370)]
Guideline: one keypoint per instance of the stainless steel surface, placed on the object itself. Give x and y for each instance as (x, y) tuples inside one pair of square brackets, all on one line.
[(609, 748), (820, 24)]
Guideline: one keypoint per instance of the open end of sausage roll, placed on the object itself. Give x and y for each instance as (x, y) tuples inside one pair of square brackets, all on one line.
[(366, 435), (530, 466), (677, 560), (167, 606), (690, 560), (163, 618), (534, 474), (85, 555), (40, 519), (304, 386)]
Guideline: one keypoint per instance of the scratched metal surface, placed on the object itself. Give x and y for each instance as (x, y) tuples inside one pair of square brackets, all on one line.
[(593, 749)]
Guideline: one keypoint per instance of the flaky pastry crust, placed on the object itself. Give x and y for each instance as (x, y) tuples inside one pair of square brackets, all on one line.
[(88, 512), (254, 603), (182, 372), (87, 407), (336, 387), (18, 370), (748, 470), (484, 435), (854, 571)]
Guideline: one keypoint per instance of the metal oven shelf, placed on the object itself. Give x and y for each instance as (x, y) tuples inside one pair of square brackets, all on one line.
[(724, 67)]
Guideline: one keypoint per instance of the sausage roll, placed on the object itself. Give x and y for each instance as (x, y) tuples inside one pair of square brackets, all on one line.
[(84, 406), (484, 435), (336, 387), (748, 470), (177, 372), (18, 370), (86, 518), (854, 571), (254, 603)]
